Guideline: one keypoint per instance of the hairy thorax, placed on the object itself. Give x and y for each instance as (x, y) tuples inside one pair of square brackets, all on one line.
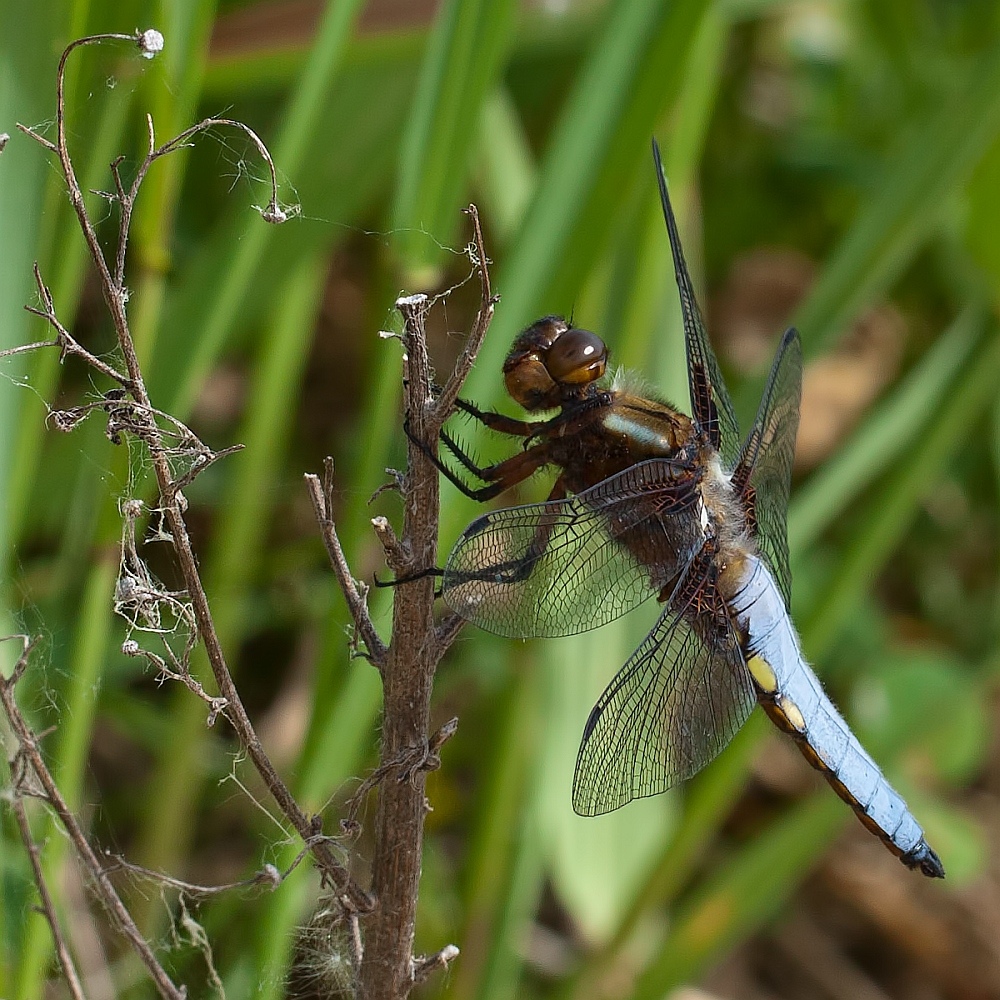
[(725, 526)]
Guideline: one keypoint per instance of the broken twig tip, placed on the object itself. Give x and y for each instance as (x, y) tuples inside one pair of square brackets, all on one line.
[(423, 967), (411, 300)]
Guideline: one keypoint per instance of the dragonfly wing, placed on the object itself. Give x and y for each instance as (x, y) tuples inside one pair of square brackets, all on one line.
[(763, 474), (679, 699), (566, 566), (710, 403)]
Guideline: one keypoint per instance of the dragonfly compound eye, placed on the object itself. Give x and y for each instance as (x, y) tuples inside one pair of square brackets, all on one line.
[(577, 357), (529, 382)]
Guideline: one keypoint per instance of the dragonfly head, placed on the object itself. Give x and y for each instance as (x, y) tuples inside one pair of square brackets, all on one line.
[(552, 363)]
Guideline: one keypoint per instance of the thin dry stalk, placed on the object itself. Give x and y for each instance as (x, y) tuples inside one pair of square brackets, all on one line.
[(171, 502), (354, 591), (27, 767), (408, 749), (69, 972)]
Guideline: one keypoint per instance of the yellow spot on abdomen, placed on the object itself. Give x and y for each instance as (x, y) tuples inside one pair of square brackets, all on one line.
[(763, 674), (791, 712)]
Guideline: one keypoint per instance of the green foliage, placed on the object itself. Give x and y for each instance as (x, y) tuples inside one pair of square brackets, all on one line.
[(866, 136)]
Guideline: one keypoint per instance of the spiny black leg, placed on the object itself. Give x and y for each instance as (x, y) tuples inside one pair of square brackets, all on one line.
[(463, 456), (497, 421), (420, 575), (467, 407), (519, 569), (481, 495), (428, 453)]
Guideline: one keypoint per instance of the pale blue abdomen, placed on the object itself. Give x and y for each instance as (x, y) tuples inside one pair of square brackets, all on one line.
[(794, 699)]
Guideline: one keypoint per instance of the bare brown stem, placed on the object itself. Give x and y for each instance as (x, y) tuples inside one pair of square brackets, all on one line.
[(322, 501), (171, 502), (69, 972), (389, 969), (64, 339), (28, 762), (487, 306), (386, 971)]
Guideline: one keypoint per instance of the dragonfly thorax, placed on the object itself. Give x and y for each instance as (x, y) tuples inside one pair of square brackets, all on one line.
[(724, 520)]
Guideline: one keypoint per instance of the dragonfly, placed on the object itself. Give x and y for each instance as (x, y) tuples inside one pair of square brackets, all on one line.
[(651, 503)]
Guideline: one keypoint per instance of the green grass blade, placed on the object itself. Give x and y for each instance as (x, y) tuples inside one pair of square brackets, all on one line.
[(288, 151), (25, 95), (930, 159), (887, 432), (652, 306), (173, 103), (897, 500), (743, 894), (504, 868), (464, 53), (506, 174)]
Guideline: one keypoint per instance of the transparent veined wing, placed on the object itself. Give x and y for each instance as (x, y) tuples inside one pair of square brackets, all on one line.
[(679, 699), (566, 566), (763, 475), (711, 406)]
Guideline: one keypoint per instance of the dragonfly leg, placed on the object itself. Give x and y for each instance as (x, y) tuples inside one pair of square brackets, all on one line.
[(516, 570), (462, 455), (497, 421), (499, 477), (484, 493), (409, 578)]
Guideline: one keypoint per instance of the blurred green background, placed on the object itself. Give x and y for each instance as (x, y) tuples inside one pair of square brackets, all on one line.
[(835, 164)]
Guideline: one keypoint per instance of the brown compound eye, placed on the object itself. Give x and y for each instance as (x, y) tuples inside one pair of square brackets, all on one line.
[(577, 357), (529, 383)]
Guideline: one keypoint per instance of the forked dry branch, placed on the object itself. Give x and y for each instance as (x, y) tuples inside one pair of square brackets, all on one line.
[(408, 663), (378, 924), (31, 778)]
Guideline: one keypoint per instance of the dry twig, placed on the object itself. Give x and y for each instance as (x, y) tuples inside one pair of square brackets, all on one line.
[(354, 592), (69, 972), (27, 766), (130, 411), (408, 663), (171, 502)]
